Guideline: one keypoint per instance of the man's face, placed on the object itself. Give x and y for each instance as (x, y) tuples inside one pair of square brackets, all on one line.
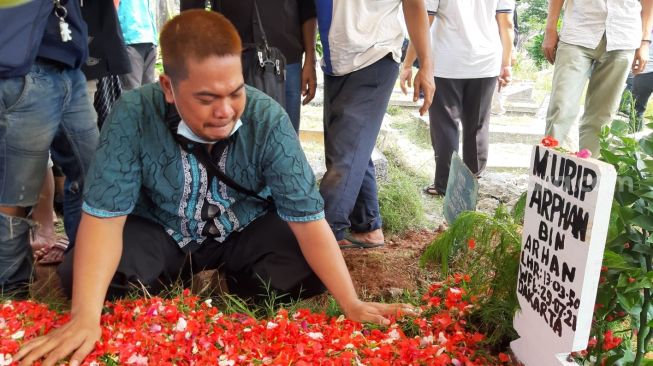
[(212, 98)]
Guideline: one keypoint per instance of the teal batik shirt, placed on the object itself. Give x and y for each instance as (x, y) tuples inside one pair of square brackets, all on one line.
[(140, 169)]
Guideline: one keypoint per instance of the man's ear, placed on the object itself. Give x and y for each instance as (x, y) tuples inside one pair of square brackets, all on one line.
[(166, 85)]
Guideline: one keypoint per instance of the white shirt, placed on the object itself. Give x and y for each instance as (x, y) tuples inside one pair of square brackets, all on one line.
[(585, 21), (357, 33), (465, 38)]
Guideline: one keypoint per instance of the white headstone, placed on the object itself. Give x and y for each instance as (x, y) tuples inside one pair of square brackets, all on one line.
[(565, 227)]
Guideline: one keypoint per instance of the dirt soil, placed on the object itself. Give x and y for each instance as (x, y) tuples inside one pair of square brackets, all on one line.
[(388, 271)]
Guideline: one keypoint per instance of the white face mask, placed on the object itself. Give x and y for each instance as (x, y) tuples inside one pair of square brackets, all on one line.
[(185, 131)]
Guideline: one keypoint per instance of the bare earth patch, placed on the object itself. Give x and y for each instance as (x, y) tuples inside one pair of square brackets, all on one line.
[(388, 271)]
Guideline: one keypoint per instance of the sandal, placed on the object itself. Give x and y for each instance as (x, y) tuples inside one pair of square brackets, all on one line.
[(54, 254), (431, 190), (350, 243)]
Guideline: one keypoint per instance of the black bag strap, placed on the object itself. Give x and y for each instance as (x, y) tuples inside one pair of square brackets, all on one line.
[(257, 29), (172, 120)]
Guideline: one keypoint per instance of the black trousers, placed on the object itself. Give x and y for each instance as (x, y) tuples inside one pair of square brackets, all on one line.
[(265, 253), (464, 102)]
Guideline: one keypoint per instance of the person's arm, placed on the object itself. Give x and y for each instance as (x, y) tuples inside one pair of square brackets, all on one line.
[(406, 72), (309, 77), (507, 33), (550, 42), (319, 247), (418, 30), (97, 253), (641, 54)]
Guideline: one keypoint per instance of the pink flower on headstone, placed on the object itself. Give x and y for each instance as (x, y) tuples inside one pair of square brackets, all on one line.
[(584, 154)]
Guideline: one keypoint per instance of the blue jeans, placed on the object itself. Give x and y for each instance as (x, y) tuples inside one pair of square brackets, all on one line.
[(45, 110), (354, 106), (293, 93)]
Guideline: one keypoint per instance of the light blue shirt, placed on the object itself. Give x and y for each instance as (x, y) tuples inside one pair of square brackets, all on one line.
[(138, 21)]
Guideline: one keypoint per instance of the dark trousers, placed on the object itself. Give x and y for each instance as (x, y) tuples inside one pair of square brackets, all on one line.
[(264, 253), (464, 102), (354, 106), (642, 89), (142, 57)]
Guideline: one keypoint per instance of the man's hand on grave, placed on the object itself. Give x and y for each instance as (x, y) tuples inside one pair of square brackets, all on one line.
[(373, 312), (77, 337)]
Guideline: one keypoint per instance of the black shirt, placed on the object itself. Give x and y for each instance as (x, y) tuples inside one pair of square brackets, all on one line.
[(107, 50), (281, 19)]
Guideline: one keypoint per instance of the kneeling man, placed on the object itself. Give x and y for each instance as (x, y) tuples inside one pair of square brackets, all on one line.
[(198, 172)]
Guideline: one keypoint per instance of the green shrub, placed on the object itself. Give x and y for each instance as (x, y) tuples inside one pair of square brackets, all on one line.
[(624, 301), (492, 262), (534, 49)]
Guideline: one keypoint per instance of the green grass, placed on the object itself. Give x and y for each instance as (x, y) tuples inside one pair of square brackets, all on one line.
[(400, 200), (394, 110), (415, 131)]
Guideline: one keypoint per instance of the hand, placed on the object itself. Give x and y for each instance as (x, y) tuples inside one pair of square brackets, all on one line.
[(309, 82), (505, 77), (373, 312), (550, 45), (406, 79), (641, 58), (424, 81), (78, 335)]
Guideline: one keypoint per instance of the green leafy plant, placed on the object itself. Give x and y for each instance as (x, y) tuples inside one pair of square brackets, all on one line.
[(623, 319), (627, 106), (318, 46), (487, 248), (534, 49)]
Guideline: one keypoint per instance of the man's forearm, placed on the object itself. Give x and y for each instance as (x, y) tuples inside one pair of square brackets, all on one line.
[(507, 33), (318, 245), (555, 8), (418, 30), (411, 55), (97, 253), (647, 18), (309, 31)]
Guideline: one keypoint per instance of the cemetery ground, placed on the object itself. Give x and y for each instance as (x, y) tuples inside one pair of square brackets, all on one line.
[(450, 329)]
